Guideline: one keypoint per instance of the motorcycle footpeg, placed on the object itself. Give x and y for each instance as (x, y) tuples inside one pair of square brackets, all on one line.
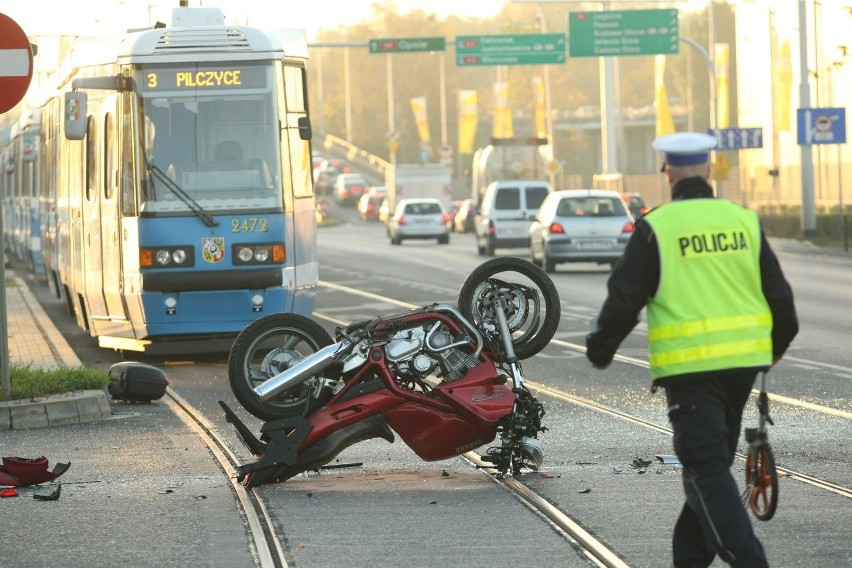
[(494, 461)]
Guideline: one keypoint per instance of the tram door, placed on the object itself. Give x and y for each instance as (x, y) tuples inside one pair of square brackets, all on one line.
[(90, 260), (110, 216)]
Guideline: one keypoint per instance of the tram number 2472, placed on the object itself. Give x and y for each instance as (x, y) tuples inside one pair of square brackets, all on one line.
[(250, 225)]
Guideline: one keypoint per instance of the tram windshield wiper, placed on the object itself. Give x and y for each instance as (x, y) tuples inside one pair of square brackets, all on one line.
[(193, 205)]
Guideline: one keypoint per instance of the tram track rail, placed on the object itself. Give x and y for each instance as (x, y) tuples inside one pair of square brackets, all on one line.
[(264, 541)]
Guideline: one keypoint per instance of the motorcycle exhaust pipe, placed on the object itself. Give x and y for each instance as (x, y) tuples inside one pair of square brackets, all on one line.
[(296, 374)]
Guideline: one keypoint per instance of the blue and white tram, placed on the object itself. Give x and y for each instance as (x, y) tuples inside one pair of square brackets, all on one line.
[(18, 186), (181, 204)]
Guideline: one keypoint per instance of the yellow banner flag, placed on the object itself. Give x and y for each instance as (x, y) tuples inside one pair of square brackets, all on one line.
[(468, 121), (540, 112), (502, 112), (723, 97), (418, 107), (665, 124), (782, 76)]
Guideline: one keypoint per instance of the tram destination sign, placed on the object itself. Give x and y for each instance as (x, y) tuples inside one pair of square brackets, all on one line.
[(407, 45), (623, 32), (510, 49), (194, 77)]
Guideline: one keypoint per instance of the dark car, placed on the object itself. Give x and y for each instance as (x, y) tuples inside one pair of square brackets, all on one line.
[(463, 221), (370, 202), (635, 203), (348, 189), (324, 178)]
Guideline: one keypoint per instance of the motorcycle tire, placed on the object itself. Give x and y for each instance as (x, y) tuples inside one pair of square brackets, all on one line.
[(531, 332), (267, 347)]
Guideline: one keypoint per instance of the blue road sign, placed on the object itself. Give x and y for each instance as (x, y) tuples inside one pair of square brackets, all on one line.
[(821, 126), (737, 138)]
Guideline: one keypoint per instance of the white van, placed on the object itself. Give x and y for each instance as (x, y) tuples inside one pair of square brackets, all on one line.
[(506, 213)]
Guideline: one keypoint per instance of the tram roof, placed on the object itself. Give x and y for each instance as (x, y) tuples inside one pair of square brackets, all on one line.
[(193, 39)]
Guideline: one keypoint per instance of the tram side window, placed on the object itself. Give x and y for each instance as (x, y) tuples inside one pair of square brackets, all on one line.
[(109, 156), (300, 154), (128, 202), (91, 159)]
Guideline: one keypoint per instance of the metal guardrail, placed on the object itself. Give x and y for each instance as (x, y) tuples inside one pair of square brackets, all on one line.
[(354, 154)]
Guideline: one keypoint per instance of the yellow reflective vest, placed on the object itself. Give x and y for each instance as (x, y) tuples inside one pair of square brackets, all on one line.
[(709, 312)]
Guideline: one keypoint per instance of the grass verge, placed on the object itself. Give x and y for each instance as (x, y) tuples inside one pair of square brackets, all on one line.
[(28, 383)]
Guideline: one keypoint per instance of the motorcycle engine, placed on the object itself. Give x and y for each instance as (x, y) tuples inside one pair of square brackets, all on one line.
[(417, 352)]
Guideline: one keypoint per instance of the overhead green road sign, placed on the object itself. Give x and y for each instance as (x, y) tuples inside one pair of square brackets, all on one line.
[(407, 45), (622, 32), (520, 49)]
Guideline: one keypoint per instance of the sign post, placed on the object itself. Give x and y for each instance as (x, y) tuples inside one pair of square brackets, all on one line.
[(389, 46), (16, 72)]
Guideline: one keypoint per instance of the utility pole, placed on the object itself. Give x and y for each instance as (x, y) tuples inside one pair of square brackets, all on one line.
[(808, 222)]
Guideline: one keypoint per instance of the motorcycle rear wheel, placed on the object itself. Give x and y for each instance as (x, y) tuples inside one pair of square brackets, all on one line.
[(533, 309), (267, 347)]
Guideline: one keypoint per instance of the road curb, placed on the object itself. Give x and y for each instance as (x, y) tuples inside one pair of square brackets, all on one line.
[(55, 410)]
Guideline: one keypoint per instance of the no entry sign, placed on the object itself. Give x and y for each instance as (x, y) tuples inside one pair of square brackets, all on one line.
[(16, 63)]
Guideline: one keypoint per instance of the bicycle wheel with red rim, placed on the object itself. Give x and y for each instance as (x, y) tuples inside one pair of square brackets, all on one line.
[(764, 487)]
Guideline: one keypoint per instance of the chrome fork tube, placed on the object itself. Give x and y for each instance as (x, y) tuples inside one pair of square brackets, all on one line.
[(302, 370), (506, 336)]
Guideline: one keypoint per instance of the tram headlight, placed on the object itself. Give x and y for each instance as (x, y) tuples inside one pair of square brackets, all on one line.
[(259, 253), (166, 257), (163, 257), (179, 256), (245, 254)]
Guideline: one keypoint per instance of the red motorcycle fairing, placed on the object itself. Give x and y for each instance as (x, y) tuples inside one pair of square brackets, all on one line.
[(480, 393), (435, 435), (436, 426)]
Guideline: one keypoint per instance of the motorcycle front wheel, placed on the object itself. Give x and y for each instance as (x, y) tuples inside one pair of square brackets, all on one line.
[(529, 298), (266, 347)]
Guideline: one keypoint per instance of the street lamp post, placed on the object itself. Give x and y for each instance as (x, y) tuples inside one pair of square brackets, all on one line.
[(711, 66)]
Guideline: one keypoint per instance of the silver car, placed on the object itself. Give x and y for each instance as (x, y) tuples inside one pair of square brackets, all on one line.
[(580, 225), (419, 218)]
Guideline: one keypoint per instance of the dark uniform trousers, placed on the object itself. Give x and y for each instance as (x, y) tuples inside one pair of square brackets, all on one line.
[(706, 417)]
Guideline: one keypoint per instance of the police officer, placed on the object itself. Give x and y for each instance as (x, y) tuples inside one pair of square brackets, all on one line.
[(719, 310)]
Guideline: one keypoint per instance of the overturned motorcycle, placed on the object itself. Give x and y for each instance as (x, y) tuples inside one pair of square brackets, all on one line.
[(447, 379)]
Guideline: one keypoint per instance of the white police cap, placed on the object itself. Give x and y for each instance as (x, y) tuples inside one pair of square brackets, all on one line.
[(684, 148)]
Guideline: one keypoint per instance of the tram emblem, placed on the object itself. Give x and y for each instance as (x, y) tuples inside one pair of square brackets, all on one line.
[(213, 249)]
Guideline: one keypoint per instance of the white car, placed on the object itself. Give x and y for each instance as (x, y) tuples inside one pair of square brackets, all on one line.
[(506, 212), (421, 218), (580, 225)]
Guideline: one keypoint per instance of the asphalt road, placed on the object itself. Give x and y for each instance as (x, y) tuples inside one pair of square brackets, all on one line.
[(398, 510)]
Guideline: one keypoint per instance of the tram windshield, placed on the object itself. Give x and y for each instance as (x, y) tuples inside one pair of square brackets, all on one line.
[(210, 137)]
